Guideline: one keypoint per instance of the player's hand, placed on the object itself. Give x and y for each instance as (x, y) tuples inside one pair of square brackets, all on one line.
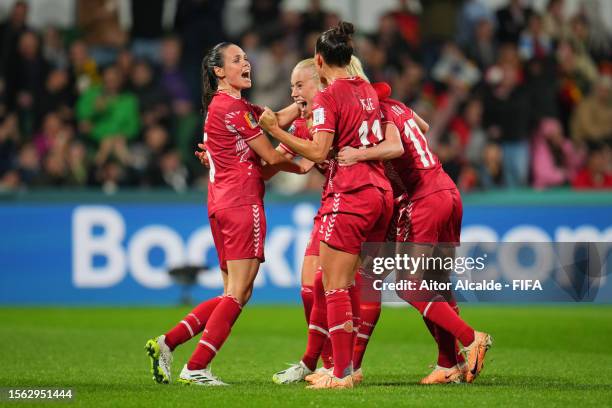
[(348, 156), (268, 120), (201, 155)]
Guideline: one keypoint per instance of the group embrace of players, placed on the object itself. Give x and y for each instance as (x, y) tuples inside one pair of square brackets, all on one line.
[(382, 183)]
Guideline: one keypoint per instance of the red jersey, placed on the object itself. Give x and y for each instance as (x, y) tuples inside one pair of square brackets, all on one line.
[(235, 169), (349, 109), (418, 168)]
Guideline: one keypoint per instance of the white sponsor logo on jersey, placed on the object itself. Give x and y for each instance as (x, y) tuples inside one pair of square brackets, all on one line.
[(318, 116)]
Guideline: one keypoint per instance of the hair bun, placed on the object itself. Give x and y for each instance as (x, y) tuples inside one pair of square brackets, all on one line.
[(346, 28)]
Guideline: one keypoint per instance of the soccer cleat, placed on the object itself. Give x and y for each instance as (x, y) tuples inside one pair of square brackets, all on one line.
[(329, 381), (476, 353), (202, 377), (318, 373), (357, 376), (463, 367), (161, 359), (442, 375), (295, 373)]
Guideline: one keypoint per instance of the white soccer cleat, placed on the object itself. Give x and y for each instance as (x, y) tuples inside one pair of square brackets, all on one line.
[(161, 359), (202, 377), (295, 373)]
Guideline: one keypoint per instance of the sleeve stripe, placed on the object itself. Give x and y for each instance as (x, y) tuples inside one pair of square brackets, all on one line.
[(247, 139), (315, 130)]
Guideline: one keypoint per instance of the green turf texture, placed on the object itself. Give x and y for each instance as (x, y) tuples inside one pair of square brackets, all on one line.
[(541, 356)]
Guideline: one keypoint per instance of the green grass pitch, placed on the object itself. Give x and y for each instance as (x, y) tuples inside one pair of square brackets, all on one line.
[(542, 356)]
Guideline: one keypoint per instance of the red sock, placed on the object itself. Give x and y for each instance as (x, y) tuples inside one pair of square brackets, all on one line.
[(326, 354), (340, 323), (458, 354), (217, 330), (445, 317), (355, 304), (370, 312), (192, 324), (439, 312), (317, 327), (307, 299)]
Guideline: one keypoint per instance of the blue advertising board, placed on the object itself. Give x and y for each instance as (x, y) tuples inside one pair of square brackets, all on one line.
[(119, 254)]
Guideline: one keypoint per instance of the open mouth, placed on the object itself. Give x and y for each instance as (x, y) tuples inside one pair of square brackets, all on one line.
[(301, 104), (246, 75)]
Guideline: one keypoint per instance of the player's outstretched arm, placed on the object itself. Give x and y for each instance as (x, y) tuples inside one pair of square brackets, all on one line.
[(262, 146), (268, 171), (388, 149), (287, 115), (424, 126), (315, 150)]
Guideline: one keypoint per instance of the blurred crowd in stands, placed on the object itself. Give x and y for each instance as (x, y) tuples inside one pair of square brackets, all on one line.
[(516, 97)]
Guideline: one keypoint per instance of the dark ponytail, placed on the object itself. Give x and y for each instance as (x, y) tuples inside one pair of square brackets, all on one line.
[(210, 82), (336, 45)]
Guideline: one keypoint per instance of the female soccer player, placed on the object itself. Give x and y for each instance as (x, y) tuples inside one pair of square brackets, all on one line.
[(235, 146), (430, 218), (345, 113), (304, 85)]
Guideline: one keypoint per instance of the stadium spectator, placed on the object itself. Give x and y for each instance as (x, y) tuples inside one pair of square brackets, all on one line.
[(99, 21), (491, 169), (592, 119), (407, 22), (507, 119), (512, 20), (83, 69), (78, 166), (390, 42), (273, 66), (483, 49), (25, 86), (554, 160), (554, 22), (534, 42), (597, 173), (53, 48), (10, 32), (57, 96), (109, 116), (9, 142), (172, 78), (152, 99), (472, 13), (147, 28)]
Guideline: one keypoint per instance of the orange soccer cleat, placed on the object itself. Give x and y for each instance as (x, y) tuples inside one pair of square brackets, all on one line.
[(476, 353), (330, 382), (316, 376), (441, 375), (357, 376)]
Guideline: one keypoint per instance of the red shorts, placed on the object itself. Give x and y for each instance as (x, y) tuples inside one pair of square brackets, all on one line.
[(350, 219), (432, 219), (312, 249), (239, 233)]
